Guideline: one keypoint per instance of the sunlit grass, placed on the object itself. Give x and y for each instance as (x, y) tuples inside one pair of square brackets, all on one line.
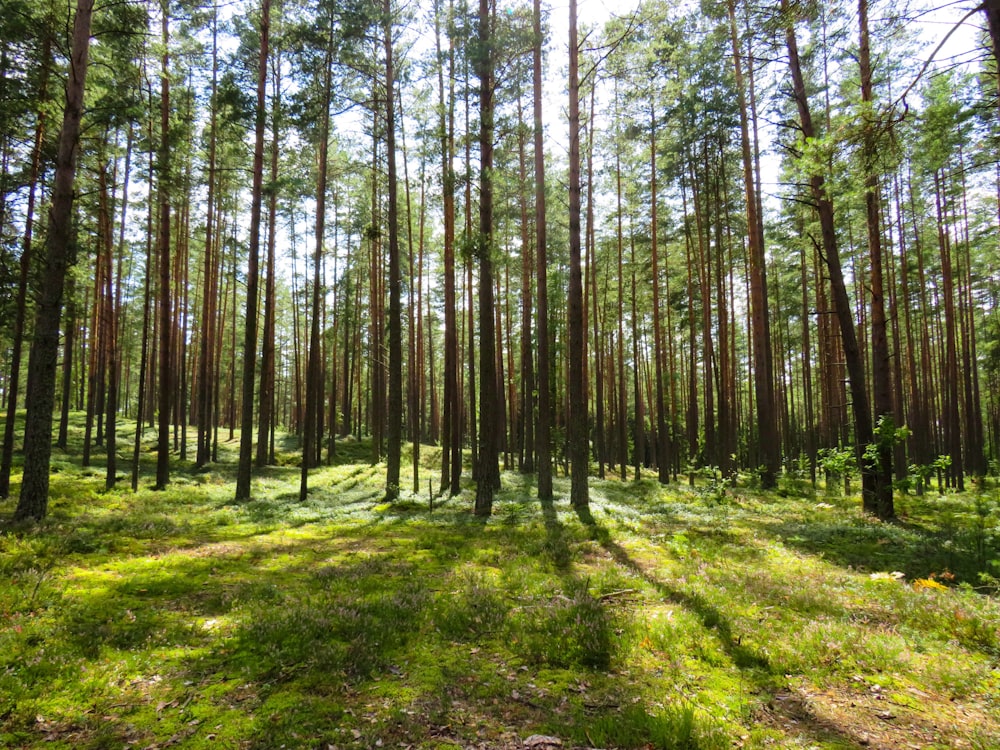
[(666, 617)]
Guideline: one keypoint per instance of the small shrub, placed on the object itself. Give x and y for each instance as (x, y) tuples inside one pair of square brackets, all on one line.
[(573, 630), (330, 632), (471, 610)]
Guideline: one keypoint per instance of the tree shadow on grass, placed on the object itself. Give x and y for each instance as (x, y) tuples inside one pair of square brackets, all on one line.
[(863, 545), (765, 677)]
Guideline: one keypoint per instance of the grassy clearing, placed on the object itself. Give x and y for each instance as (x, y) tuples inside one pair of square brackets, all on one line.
[(665, 618)]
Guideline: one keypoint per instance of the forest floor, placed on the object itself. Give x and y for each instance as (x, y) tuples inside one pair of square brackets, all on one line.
[(666, 617)]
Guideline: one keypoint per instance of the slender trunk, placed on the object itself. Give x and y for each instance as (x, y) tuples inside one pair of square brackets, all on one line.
[(768, 449), (243, 473), (544, 434), (163, 251), (204, 409), (265, 416), (114, 360), (17, 335), (577, 434), (394, 433), (881, 368), (310, 431), (488, 476), (661, 445)]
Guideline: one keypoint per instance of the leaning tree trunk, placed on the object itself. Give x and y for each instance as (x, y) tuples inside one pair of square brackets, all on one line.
[(853, 359)]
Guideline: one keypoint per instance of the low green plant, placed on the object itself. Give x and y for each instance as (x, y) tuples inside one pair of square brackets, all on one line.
[(571, 629), (668, 728)]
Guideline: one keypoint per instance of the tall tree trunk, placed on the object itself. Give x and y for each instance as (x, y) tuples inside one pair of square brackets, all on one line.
[(622, 384), (310, 427), (166, 391), (591, 254), (205, 408), (577, 436), (854, 361), (451, 433), (952, 417), (768, 448), (140, 414), (661, 445), (544, 435), (881, 369), (488, 476), (33, 499), (394, 433), (24, 268), (526, 412), (265, 416), (114, 360), (244, 470)]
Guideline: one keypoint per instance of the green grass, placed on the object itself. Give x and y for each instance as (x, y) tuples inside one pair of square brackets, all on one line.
[(666, 617)]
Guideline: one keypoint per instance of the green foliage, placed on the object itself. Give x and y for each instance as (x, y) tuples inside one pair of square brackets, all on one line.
[(675, 728), (573, 629)]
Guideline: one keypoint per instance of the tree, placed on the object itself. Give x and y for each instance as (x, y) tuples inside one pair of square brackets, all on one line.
[(543, 436), (33, 500), (166, 391), (823, 204), (394, 434), (577, 432), (767, 433), (243, 474), (488, 475), (881, 505)]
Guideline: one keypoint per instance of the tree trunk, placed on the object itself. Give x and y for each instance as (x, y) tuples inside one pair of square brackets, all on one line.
[(265, 416), (310, 429), (20, 314), (166, 391), (243, 472), (488, 476), (394, 433), (767, 434), (577, 435), (544, 435), (881, 369), (33, 499), (863, 434)]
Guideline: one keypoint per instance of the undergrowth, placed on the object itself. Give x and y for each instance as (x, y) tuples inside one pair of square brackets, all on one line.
[(662, 618)]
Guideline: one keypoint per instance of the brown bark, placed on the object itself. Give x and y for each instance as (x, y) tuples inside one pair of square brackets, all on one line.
[(881, 371), (863, 434), (244, 470), (544, 434), (488, 475), (33, 499), (394, 433), (767, 433)]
